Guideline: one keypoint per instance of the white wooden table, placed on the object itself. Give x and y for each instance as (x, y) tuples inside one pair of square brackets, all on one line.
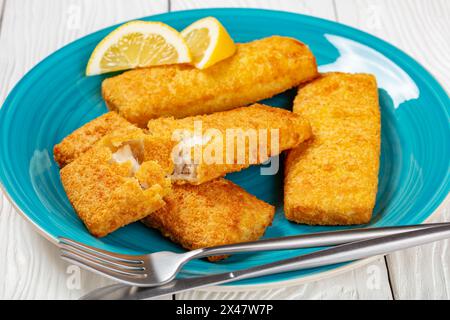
[(31, 29)]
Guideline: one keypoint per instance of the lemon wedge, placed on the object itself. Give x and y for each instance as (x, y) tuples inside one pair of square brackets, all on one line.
[(208, 42), (138, 44)]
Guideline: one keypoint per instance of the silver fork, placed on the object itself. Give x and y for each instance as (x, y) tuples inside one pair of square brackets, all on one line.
[(158, 268)]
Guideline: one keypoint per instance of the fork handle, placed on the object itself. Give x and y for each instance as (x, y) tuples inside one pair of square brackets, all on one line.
[(320, 239)]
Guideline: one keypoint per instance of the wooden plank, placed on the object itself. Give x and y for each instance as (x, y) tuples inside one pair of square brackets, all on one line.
[(423, 273), (31, 267), (366, 282), (2, 10), (2, 7), (421, 29), (34, 29), (351, 285), (317, 8)]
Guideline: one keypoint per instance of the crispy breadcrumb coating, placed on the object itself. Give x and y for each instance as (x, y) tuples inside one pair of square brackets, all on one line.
[(79, 141), (291, 129), (121, 179), (260, 69), (160, 144), (211, 214), (332, 178), (111, 185)]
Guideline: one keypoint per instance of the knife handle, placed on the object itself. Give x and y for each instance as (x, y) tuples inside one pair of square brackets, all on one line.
[(320, 239), (351, 251)]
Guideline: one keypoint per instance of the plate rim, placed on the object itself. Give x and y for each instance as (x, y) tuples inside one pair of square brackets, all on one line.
[(430, 80)]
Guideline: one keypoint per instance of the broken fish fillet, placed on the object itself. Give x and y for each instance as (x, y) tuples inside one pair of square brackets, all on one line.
[(258, 132), (210, 146), (82, 139), (235, 215), (258, 70), (211, 214), (332, 178), (111, 185)]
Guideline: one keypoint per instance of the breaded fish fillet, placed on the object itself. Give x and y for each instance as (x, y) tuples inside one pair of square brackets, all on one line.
[(260, 69), (258, 123), (228, 141), (94, 184), (110, 185), (211, 214), (332, 178), (85, 137)]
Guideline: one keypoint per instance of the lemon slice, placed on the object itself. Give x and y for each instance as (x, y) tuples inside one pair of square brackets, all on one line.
[(138, 44), (208, 41)]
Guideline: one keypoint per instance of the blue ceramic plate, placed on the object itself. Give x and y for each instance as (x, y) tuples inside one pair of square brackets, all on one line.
[(55, 98)]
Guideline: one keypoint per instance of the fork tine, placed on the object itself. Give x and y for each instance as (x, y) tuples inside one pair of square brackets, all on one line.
[(103, 272), (97, 266), (102, 253), (101, 259)]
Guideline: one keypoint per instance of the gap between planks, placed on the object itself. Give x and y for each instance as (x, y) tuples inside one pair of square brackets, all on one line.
[(2, 11), (388, 273)]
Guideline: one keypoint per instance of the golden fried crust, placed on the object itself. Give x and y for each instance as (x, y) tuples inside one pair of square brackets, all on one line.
[(211, 214), (332, 178), (259, 70), (159, 144), (292, 130), (85, 137), (107, 194), (150, 147)]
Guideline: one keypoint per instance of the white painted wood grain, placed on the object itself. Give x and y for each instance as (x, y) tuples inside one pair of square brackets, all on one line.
[(30, 267), (317, 8), (31, 30), (2, 2), (367, 282), (422, 29), (423, 272)]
